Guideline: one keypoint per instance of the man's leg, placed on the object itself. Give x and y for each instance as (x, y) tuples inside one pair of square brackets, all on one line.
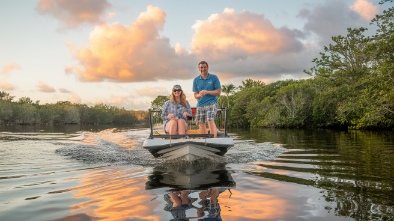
[(201, 128), (211, 114), (212, 128), (201, 119)]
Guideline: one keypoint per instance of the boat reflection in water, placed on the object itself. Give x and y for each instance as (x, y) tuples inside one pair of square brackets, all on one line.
[(192, 190)]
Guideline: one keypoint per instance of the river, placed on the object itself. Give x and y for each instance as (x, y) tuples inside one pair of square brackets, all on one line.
[(270, 174)]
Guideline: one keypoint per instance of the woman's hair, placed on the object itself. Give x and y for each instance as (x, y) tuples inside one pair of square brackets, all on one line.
[(183, 98)]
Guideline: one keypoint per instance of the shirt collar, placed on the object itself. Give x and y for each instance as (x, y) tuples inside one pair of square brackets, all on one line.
[(205, 78)]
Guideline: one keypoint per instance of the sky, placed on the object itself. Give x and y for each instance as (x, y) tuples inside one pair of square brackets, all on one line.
[(126, 53)]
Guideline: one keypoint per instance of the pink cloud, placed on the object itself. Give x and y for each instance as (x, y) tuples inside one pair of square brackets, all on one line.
[(72, 14), (365, 8), (5, 86), (75, 99), (239, 35), (133, 53), (63, 90), (8, 68), (43, 87), (153, 92)]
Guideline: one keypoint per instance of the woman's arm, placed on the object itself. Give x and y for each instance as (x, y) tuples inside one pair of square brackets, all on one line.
[(164, 111)]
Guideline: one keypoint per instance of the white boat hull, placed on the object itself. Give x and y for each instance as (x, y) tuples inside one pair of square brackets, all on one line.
[(188, 149)]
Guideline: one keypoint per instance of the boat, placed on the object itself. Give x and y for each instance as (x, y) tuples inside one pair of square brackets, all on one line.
[(191, 146)]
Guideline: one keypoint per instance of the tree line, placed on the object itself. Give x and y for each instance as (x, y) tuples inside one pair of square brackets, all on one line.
[(26, 112)]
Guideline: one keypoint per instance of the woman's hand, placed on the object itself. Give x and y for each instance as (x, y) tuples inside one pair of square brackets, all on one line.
[(170, 116), (186, 114)]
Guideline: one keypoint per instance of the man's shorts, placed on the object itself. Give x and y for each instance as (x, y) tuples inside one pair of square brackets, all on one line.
[(206, 113)]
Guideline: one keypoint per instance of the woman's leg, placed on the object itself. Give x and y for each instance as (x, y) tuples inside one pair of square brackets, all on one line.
[(175, 199), (182, 126), (172, 127)]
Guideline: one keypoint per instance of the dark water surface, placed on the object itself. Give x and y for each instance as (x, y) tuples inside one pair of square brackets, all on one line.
[(105, 174)]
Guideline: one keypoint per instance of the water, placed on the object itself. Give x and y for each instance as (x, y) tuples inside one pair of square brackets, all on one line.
[(59, 174)]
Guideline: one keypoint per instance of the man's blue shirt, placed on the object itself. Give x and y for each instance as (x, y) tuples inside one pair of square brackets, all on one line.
[(210, 83)]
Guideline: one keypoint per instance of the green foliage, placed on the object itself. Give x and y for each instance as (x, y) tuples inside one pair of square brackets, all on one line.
[(345, 59), (158, 103), (227, 90), (6, 112), (25, 111), (249, 83), (5, 96)]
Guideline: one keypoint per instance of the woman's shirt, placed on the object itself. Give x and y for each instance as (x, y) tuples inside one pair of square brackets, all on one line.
[(177, 109)]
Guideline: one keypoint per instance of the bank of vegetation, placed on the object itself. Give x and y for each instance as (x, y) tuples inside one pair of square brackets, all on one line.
[(26, 112)]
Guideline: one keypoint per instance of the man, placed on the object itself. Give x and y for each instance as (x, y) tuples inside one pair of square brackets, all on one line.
[(206, 88)]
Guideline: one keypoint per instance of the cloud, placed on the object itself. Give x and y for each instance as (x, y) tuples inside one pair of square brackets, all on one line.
[(134, 53), (366, 9), (43, 87), (243, 44), (241, 35), (72, 15), (63, 90), (153, 92), (329, 19), (125, 101), (5, 86), (74, 98), (249, 45), (8, 68)]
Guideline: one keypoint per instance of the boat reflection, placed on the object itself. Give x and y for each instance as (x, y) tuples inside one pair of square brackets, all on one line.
[(196, 176), (193, 189)]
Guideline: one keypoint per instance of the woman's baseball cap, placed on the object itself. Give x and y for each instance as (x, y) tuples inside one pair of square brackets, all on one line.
[(177, 87)]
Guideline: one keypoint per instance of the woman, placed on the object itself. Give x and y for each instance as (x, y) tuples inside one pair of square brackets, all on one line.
[(175, 112)]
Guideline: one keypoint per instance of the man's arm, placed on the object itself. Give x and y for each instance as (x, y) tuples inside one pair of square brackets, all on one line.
[(197, 95), (215, 92)]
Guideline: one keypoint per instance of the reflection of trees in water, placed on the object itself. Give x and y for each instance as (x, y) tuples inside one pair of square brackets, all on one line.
[(355, 169), (359, 200), (362, 200)]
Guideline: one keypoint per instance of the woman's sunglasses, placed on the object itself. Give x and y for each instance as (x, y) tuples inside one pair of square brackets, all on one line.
[(177, 91)]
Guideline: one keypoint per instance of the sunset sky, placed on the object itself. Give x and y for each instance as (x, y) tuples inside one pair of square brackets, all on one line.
[(126, 53)]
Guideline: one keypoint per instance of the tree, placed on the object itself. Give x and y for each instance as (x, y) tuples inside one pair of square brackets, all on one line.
[(5, 96), (227, 90), (345, 60), (295, 101), (6, 111), (250, 83), (158, 102)]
